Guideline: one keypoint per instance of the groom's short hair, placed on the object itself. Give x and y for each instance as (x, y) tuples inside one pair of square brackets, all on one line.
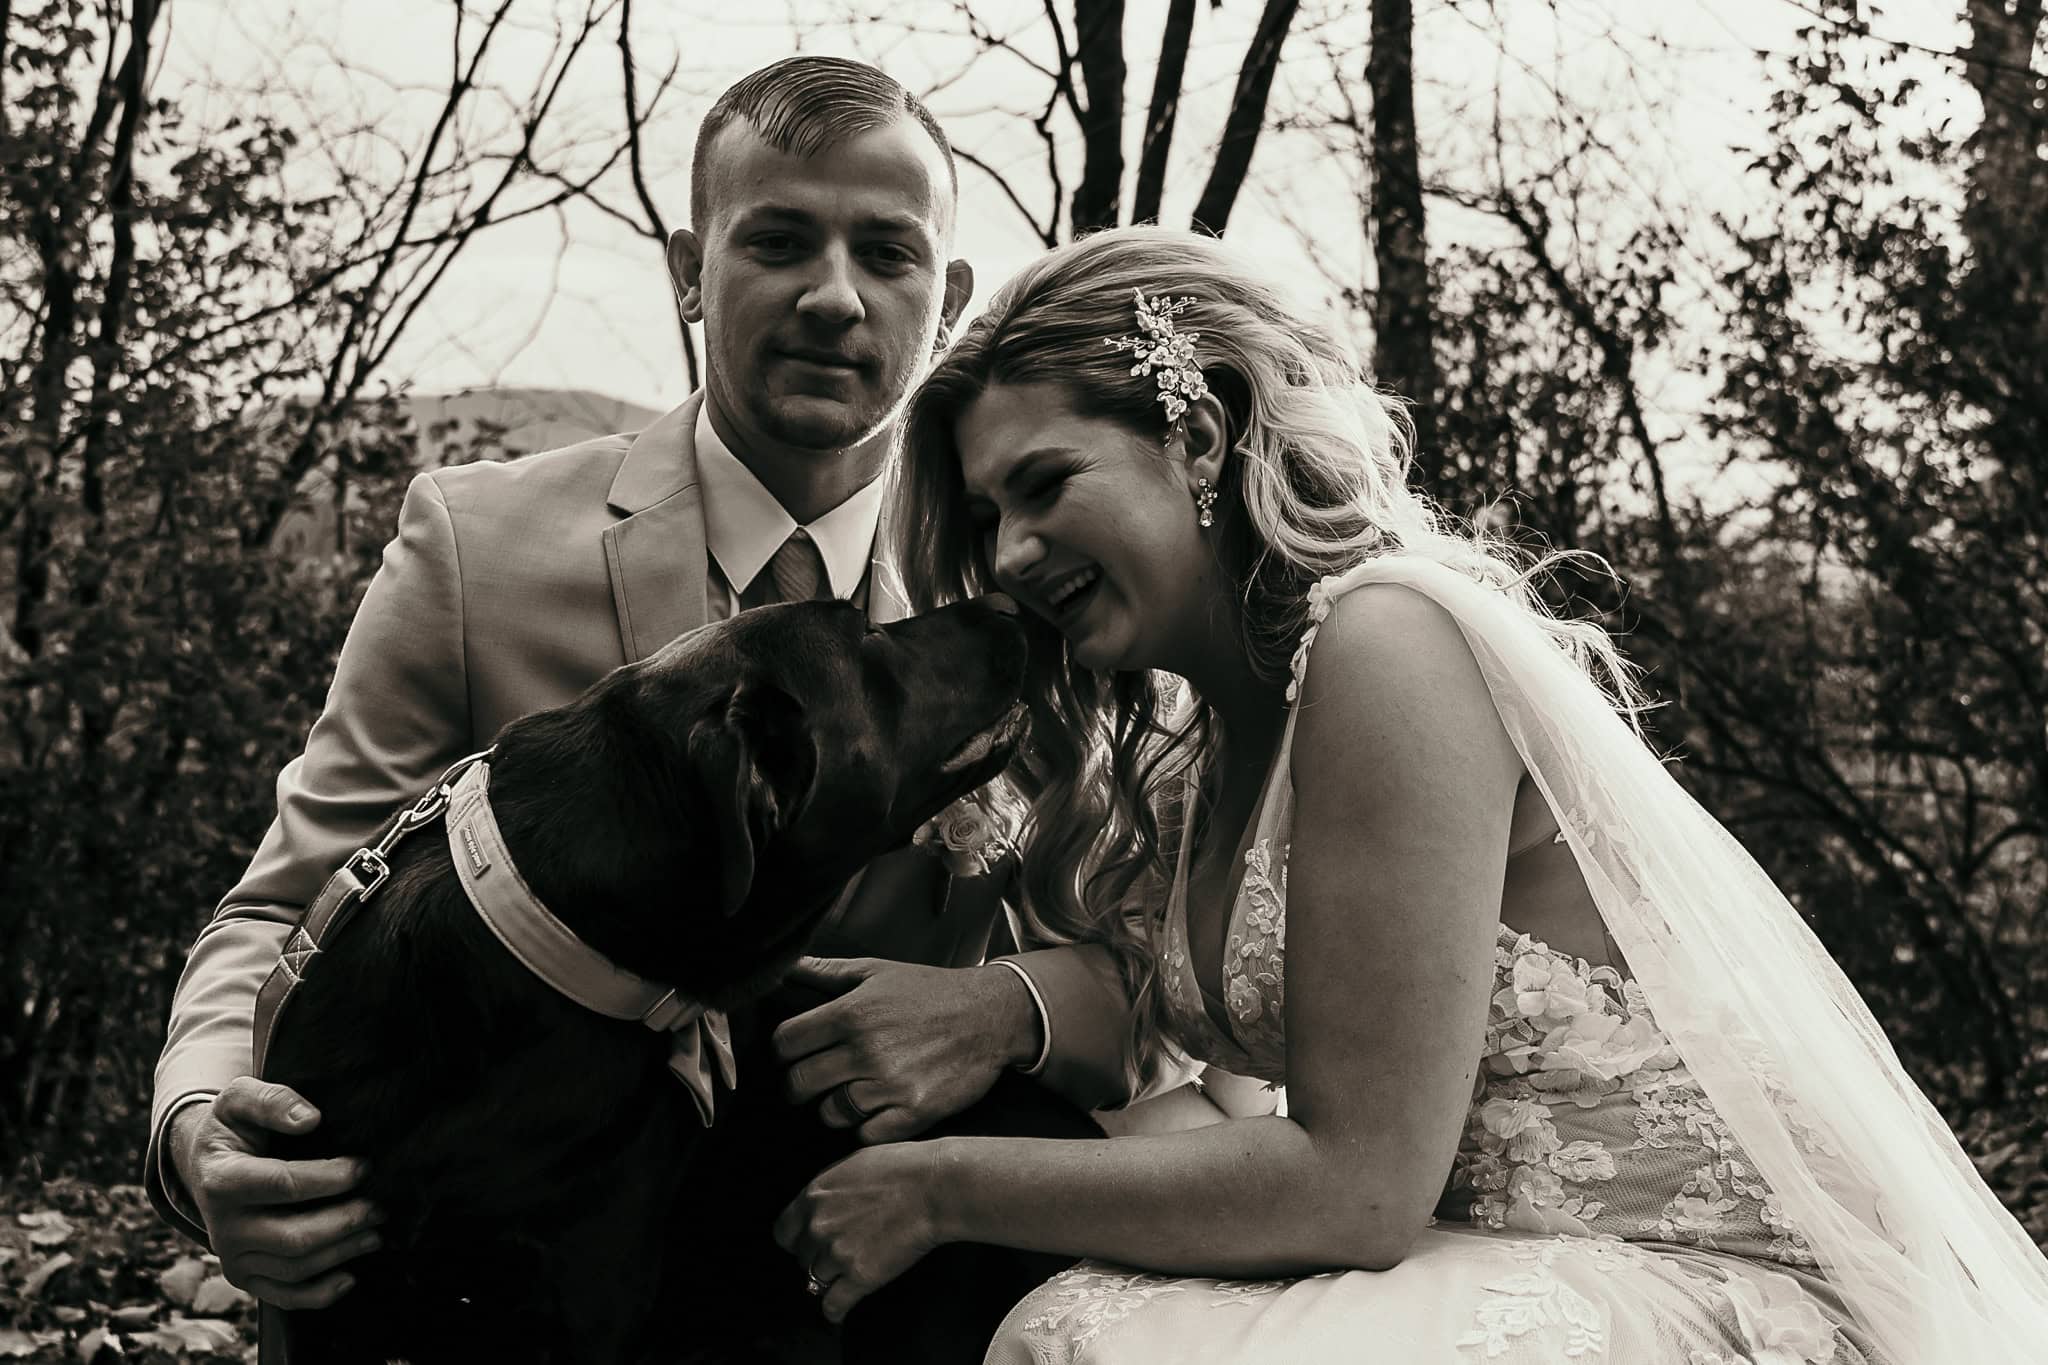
[(803, 105)]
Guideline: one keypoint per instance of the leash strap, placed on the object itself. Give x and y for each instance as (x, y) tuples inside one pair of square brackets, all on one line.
[(701, 1040), (354, 882)]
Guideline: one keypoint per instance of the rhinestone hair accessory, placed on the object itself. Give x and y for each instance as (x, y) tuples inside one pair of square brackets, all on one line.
[(1169, 355)]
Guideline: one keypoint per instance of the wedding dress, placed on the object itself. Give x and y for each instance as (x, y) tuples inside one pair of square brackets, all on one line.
[(1715, 1159)]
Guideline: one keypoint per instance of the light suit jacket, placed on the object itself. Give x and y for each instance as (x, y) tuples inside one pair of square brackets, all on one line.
[(512, 587)]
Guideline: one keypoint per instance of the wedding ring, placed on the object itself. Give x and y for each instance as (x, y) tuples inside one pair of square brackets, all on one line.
[(852, 1107), (814, 1286)]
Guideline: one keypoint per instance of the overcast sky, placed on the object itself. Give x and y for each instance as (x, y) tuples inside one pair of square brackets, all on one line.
[(575, 300)]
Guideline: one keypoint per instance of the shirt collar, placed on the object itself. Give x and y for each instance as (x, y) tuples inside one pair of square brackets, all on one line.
[(744, 525)]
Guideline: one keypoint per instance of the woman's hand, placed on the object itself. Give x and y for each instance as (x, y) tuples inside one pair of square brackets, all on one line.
[(864, 1221)]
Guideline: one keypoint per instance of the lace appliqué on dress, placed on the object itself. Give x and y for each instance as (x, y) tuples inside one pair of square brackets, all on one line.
[(1779, 1322), (1255, 958), (1537, 1300), (1088, 1299), (1254, 976), (1319, 599), (1580, 1086), (1557, 1041)]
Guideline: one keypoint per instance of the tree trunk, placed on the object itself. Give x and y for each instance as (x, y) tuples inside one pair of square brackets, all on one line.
[(1247, 117), (1163, 111), (1404, 347), (2008, 177), (1099, 44), (6, 17)]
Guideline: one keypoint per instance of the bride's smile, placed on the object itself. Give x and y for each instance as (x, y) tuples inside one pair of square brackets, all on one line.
[(1089, 523)]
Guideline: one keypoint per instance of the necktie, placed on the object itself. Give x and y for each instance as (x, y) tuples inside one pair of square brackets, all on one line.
[(799, 569)]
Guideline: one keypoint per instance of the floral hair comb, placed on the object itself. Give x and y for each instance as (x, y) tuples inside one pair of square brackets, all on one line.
[(1169, 355)]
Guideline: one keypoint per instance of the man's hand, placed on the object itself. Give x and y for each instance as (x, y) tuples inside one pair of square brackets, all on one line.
[(268, 1243), (900, 1047)]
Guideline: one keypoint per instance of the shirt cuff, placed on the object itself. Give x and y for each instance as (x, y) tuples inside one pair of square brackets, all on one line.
[(167, 1178), (1044, 1018)]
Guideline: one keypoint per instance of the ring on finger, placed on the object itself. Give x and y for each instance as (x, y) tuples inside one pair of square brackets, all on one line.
[(814, 1286), (852, 1105)]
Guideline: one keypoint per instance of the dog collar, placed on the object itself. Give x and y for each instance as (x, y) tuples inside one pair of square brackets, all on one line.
[(551, 951)]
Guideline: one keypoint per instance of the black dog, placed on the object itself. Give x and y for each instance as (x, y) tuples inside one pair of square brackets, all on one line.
[(691, 817)]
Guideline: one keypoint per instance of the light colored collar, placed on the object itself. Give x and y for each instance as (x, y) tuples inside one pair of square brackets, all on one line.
[(744, 525), (701, 1038)]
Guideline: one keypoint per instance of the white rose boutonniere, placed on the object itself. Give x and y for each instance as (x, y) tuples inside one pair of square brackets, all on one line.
[(966, 836)]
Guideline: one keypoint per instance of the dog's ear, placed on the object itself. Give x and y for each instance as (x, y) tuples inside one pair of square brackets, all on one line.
[(757, 761)]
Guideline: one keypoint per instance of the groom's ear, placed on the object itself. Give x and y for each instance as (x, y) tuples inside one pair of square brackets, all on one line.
[(686, 273), (959, 289)]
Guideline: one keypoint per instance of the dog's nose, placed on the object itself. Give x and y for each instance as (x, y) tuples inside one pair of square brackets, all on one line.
[(1002, 602)]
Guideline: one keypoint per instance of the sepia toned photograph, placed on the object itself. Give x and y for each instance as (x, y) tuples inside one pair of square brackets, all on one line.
[(1024, 682)]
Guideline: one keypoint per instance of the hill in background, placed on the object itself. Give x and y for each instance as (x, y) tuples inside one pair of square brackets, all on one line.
[(504, 423)]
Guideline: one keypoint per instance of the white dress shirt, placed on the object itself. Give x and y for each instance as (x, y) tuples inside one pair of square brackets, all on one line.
[(744, 526)]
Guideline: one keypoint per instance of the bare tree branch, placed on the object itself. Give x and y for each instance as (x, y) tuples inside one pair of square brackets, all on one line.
[(1247, 117), (1099, 42), (1404, 333), (1048, 232), (1617, 363), (113, 311), (373, 355), (1163, 111), (635, 119), (1063, 72)]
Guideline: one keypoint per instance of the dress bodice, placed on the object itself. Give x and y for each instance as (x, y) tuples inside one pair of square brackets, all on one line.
[(1583, 1119)]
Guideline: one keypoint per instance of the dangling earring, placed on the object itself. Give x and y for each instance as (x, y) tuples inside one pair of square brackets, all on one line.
[(1205, 503)]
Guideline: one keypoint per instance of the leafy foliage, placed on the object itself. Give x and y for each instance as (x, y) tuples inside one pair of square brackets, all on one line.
[(1853, 661), (92, 1275), (1888, 358), (186, 340)]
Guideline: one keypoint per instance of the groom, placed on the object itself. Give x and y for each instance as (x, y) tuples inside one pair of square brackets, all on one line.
[(822, 201)]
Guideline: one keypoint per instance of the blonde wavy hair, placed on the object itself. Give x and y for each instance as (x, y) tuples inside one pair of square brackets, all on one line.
[(1316, 483)]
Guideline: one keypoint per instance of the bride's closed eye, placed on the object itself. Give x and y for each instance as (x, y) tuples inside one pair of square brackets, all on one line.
[(1045, 488)]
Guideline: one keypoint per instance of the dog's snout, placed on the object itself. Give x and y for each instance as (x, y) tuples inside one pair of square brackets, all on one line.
[(1002, 602)]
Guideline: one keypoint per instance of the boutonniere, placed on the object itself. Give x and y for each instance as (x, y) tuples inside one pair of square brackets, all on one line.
[(966, 836)]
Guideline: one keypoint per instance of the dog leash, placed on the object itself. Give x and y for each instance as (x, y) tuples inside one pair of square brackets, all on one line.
[(701, 1039), (354, 882)]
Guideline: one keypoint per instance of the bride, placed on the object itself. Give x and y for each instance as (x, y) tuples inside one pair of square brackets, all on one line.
[(1565, 1076)]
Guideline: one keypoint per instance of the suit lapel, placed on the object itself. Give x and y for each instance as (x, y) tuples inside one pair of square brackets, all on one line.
[(656, 555)]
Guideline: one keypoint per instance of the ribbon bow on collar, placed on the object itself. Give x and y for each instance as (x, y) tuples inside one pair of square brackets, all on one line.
[(551, 951)]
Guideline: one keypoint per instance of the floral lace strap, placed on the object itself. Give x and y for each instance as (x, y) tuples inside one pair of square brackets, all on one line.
[(1319, 599), (1325, 592)]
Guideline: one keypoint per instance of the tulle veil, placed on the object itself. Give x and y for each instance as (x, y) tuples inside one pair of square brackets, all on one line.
[(1928, 1261)]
